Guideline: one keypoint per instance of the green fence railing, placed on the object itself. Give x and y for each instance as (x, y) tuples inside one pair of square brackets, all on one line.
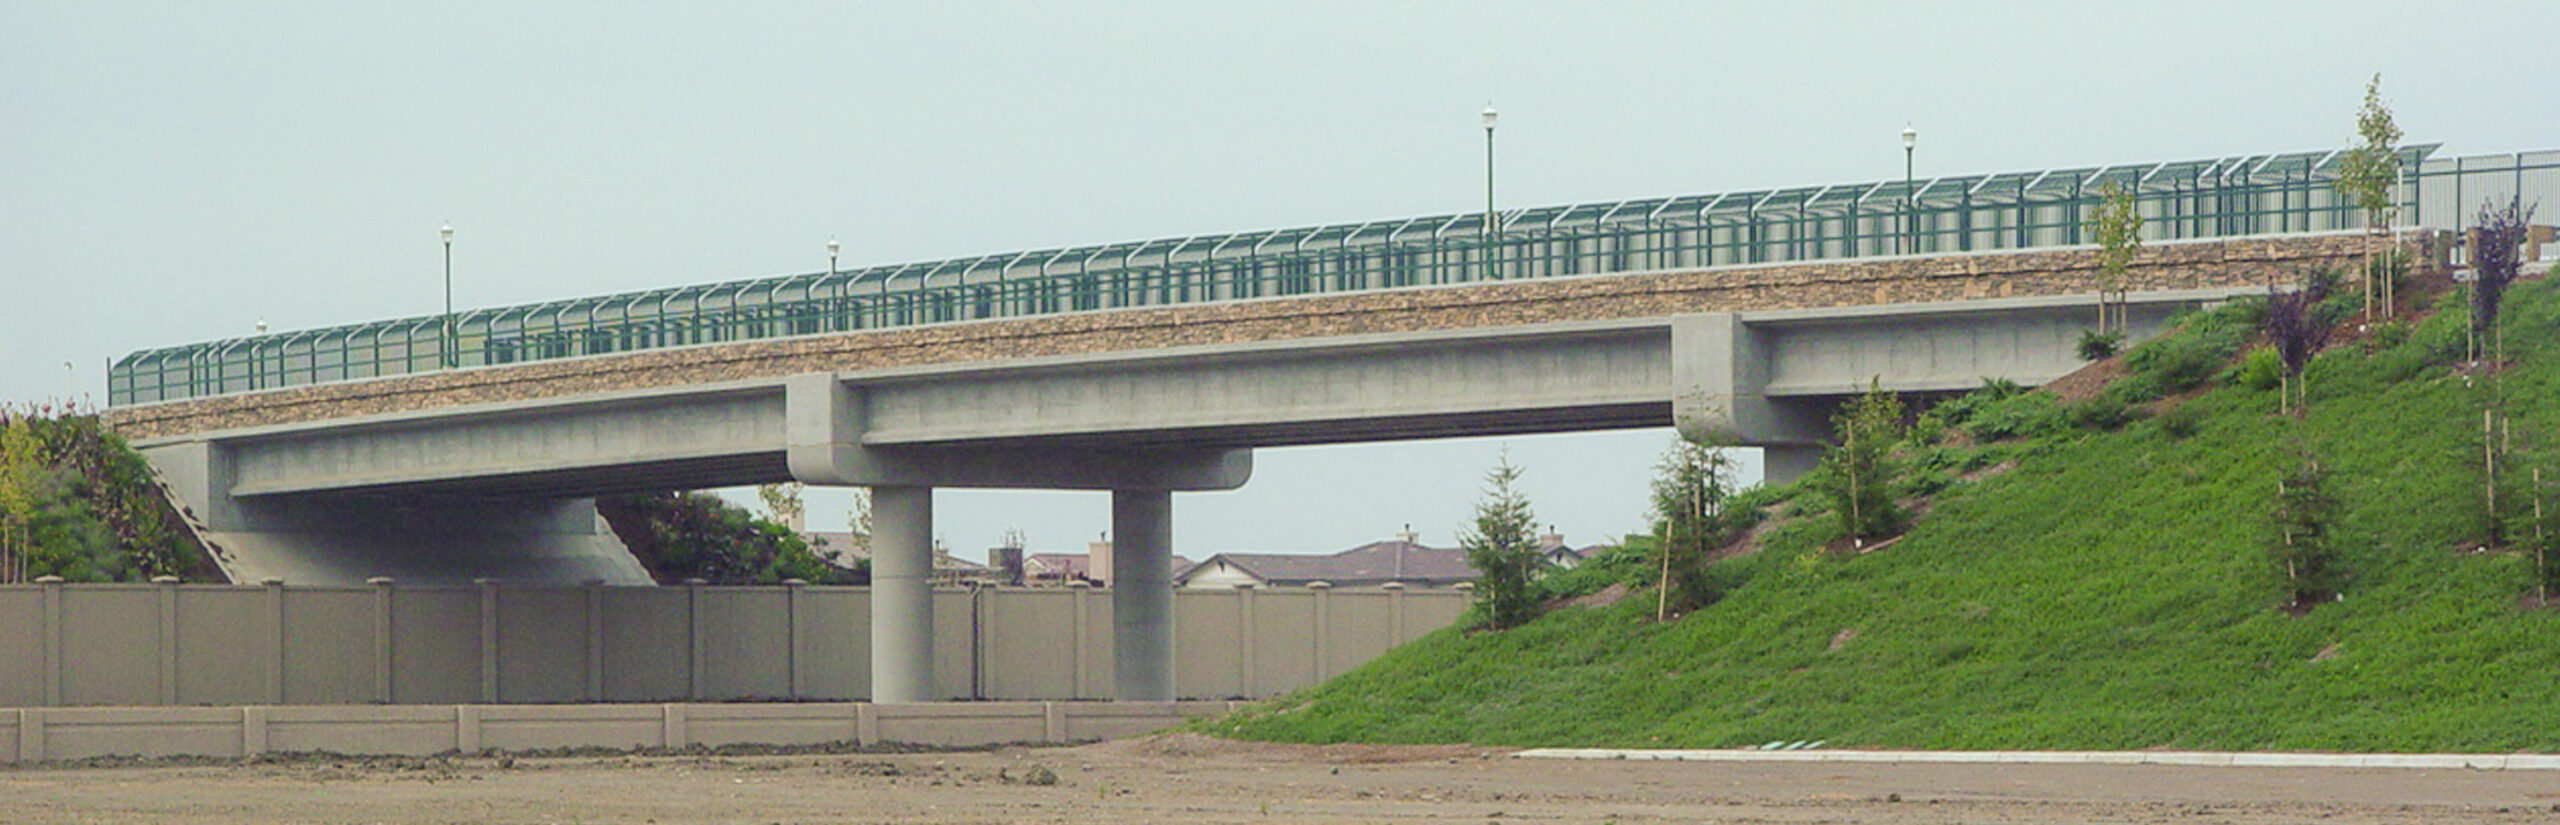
[(2224, 197)]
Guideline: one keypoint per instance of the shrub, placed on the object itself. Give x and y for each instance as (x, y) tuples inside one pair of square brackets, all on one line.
[(2032, 415), (2185, 358), (2105, 413), (2182, 423), (2259, 371), (2099, 346)]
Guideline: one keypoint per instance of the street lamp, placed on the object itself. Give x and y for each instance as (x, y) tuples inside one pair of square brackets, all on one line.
[(832, 248), (1910, 199), (1488, 190), (445, 341)]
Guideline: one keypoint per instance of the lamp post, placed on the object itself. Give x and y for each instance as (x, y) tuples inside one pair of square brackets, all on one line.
[(1488, 190), (832, 249), (445, 341), (1910, 199)]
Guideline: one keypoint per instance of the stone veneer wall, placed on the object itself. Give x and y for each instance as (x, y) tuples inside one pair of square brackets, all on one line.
[(2160, 266)]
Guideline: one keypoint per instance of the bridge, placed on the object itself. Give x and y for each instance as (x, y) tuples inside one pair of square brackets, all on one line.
[(473, 446)]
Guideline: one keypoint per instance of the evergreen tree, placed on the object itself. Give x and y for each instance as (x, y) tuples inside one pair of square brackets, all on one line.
[(1502, 545), (1688, 506), (1858, 474), (2301, 542)]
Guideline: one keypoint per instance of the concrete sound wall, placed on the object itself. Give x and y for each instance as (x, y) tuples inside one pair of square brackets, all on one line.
[(42, 734), (190, 645)]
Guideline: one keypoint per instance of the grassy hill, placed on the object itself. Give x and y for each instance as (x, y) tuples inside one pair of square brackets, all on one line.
[(2111, 589)]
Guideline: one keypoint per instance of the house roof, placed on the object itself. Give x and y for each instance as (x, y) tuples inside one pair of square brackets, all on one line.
[(1379, 562)]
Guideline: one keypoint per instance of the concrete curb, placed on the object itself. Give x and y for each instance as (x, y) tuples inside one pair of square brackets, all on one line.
[(2481, 761)]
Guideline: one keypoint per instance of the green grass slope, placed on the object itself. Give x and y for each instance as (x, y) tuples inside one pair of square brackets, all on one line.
[(2110, 592)]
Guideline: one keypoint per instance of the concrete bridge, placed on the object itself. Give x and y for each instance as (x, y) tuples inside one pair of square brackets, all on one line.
[(491, 472)]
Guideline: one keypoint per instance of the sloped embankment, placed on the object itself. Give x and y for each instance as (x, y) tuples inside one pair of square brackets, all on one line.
[(2112, 591)]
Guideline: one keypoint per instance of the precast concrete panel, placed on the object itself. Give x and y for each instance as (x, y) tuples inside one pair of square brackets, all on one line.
[(333, 649), (228, 642), (745, 637), (1031, 639), (954, 648), (22, 642), (835, 644), (435, 645), (111, 645), (647, 644), (1284, 641), (1362, 626), (542, 645), (1094, 639), (531, 727), (1208, 647), (1428, 612), (417, 730), (145, 732)]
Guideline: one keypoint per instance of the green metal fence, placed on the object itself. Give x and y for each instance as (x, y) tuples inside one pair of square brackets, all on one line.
[(2224, 197)]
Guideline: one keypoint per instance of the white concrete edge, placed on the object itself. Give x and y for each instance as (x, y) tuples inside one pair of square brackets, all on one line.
[(2482, 761)]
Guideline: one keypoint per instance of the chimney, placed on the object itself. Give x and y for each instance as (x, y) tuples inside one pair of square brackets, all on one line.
[(1408, 536), (1097, 565), (1550, 540)]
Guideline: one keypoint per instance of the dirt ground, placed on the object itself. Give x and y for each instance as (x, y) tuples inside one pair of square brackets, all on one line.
[(1184, 779)]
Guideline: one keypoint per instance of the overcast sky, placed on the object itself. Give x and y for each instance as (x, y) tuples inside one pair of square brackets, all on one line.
[(176, 172)]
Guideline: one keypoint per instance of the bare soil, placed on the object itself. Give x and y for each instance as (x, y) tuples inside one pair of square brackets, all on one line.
[(1190, 779)]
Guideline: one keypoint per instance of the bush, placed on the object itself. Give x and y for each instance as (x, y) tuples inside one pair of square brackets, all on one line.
[(2197, 349), (2182, 423), (2032, 415), (2105, 413), (2260, 371), (2099, 346)]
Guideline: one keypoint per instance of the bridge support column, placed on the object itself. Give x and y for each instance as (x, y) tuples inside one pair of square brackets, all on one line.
[(1142, 595), (902, 594)]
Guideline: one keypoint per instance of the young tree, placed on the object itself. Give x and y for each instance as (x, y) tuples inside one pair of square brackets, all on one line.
[(2297, 329), (2117, 224), (2366, 173), (20, 462), (2301, 542), (2496, 260), (1858, 474), (782, 504), (1688, 507), (1502, 545)]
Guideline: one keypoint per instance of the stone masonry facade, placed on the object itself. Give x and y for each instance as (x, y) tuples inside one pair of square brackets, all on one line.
[(2161, 266)]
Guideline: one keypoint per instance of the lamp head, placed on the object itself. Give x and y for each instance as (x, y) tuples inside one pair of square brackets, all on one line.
[(1488, 116), (1910, 137)]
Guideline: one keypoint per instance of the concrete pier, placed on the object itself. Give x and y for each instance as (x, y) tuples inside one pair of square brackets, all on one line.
[(902, 594), (1142, 594)]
